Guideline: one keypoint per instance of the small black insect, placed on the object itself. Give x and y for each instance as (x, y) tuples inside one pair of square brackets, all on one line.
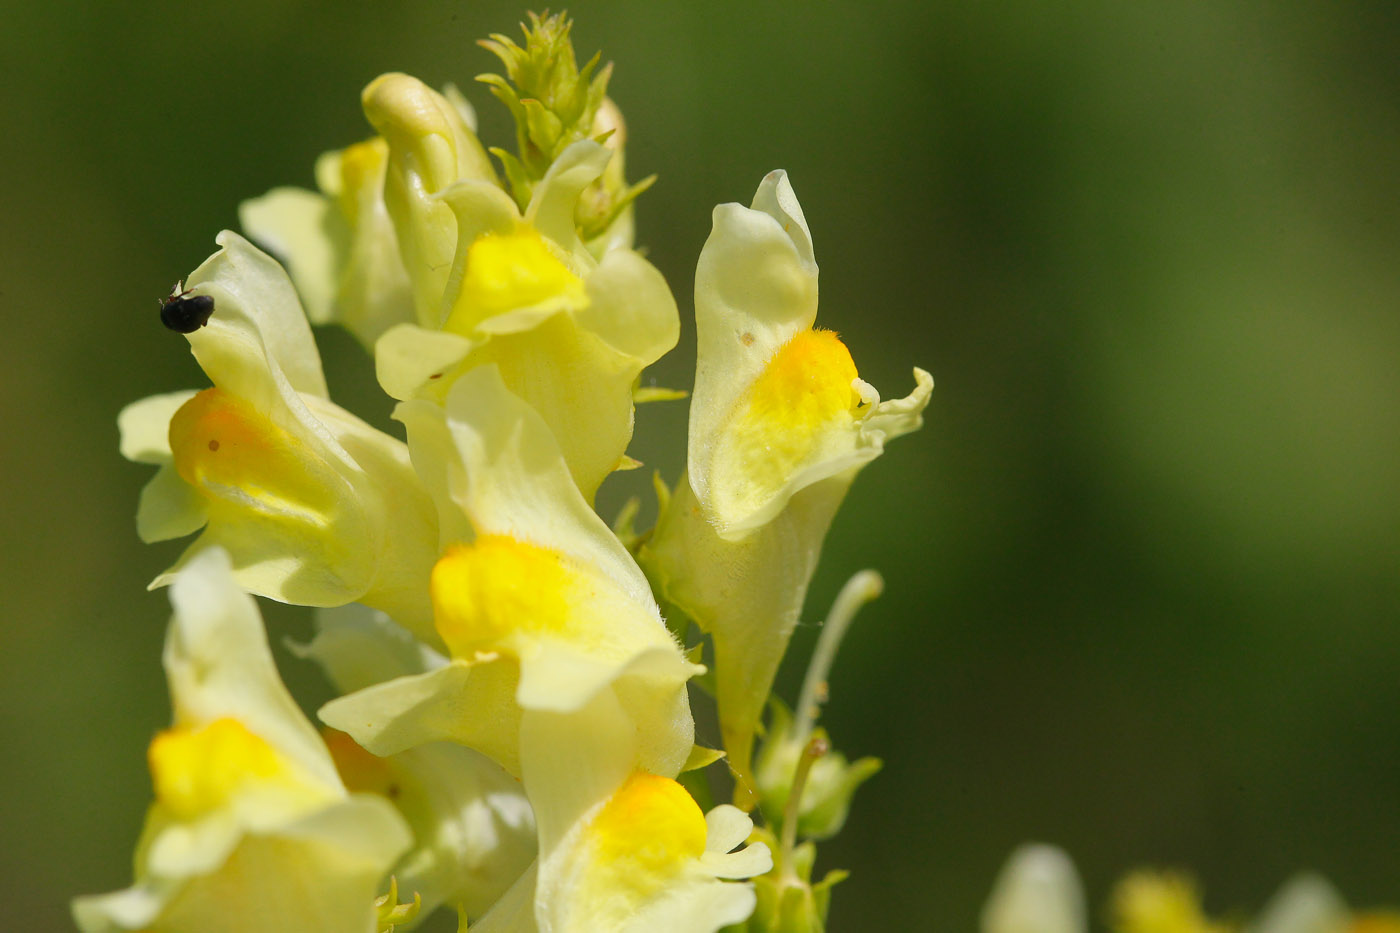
[(185, 315)]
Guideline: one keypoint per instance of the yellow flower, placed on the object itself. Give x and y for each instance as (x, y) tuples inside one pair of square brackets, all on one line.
[(251, 827), (540, 605), (412, 239), (780, 424), (338, 243), (569, 333), (642, 857), (314, 506), (431, 147), (778, 405)]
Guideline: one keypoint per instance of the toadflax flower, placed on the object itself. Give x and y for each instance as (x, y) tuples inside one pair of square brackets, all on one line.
[(640, 858), (569, 332), (540, 606), (338, 243), (251, 828), (314, 506), (780, 423), (562, 668), (512, 716), (1152, 901)]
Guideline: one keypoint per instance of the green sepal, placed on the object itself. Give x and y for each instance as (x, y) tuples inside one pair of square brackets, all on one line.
[(543, 127), (662, 491), (389, 912), (595, 226), (701, 757), (821, 891), (502, 91), (521, 187)]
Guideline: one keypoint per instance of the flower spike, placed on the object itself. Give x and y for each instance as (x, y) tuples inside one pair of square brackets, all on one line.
[(510, 734)]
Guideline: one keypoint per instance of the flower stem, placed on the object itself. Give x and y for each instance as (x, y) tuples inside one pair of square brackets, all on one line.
[(860, 589), (816, 748)]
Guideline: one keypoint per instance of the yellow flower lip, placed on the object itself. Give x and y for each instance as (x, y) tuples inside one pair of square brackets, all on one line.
[(238, 458), (200, 769), (802, 397), (506, 272), (505, 597), (806, 384), (646, 833), (485, 591)]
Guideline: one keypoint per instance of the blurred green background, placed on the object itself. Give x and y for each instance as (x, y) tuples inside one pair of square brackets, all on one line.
[(1142, 596)]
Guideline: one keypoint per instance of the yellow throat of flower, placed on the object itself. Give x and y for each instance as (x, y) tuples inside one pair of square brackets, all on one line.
[(240, 460), (508, 271), (199, 770), (359, 769), (484, 591), (645, 835), (803, 395)]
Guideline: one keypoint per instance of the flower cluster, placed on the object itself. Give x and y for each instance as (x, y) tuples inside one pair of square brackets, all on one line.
[(512, 736)]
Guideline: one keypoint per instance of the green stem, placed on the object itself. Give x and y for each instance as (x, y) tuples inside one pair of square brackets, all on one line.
[(815, 749), (862, 588)]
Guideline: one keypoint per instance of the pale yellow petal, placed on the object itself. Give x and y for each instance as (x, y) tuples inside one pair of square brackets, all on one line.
[(303, 229), (470, 705), (219, 665), (145, 426), (359, 647), (257, 317), (414, 362), (169, 507), (631, 308), (755, 288), (555, 198)]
